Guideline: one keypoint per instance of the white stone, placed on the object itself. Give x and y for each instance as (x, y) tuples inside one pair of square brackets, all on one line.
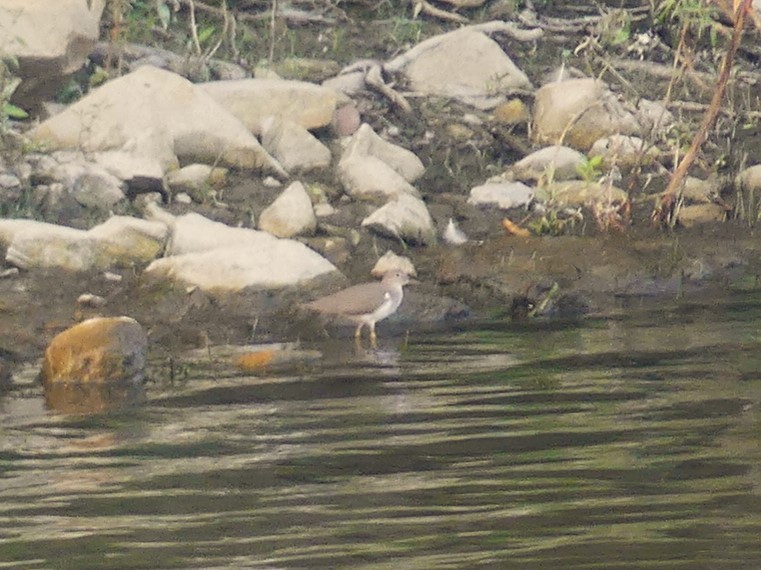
[(291, 213), (404, 217), (196, 180), (369, 178), (464, 64), (9, 227), (158, 114), (654, 117), (120, 241), (90, 184), (350, 83), (294, 147), (503, 195), (50, 40), (144, 170), (624, 150), (125, 241), (252, 100), (749, 180), (579, 111), (275, 264), (390, 261), (366, 142), (574, 193), (193, 233), (44, 246), (555, 162)]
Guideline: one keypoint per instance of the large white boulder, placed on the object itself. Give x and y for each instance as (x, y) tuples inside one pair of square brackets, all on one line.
[(159, 114), (272, 265), (220, 258), (464, 64), (253, 100), (374, 169), (121, 241), (49, 39)]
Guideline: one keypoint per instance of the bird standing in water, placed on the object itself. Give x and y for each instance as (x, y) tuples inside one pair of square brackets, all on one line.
[(366, 303)]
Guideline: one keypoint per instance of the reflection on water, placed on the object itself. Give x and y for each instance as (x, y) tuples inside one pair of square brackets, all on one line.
[(628, 442)]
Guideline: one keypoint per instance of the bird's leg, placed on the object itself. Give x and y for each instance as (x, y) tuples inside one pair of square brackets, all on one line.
[(373, 336), (358, 338)]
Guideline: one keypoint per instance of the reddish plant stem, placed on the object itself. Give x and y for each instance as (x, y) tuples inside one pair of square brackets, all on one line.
[(709, 119)]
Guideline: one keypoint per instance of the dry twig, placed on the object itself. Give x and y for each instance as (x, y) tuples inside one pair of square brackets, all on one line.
[(665, 210)]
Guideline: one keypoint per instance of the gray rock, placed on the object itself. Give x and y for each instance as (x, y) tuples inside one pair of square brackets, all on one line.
[(749, 180), (654, 117), (9, 181), (97, 191)]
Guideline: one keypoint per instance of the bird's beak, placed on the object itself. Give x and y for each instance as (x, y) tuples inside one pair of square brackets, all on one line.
[(413, 282)]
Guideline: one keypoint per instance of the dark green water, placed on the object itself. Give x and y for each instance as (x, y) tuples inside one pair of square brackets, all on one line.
[(628, 442)]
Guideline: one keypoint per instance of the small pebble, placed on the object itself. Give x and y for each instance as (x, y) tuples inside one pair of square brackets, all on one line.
[(90, 300)]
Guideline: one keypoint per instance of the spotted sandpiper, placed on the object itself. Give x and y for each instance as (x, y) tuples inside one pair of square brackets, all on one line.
[(366, 303)]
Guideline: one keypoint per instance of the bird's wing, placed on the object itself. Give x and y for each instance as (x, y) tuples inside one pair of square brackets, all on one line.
[(355, 300)]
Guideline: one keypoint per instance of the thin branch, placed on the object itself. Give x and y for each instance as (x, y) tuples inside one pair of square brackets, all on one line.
[(709, 119)]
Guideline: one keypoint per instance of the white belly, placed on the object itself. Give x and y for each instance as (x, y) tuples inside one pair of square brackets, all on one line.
[(388, 307)]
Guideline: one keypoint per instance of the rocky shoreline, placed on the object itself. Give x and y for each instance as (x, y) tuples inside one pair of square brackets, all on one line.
[(206, 209)]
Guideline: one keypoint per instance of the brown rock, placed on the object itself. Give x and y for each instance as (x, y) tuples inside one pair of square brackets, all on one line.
[(99, 350)]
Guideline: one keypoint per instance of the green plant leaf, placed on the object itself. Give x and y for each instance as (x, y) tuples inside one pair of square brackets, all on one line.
[(14, 112), (205, 34)]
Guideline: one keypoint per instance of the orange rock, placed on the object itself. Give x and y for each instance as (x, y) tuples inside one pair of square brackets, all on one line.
[(252, 361), (98, 350), (514, 229)]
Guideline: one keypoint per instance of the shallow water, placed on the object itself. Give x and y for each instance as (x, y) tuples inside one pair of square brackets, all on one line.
[(626, 442)]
